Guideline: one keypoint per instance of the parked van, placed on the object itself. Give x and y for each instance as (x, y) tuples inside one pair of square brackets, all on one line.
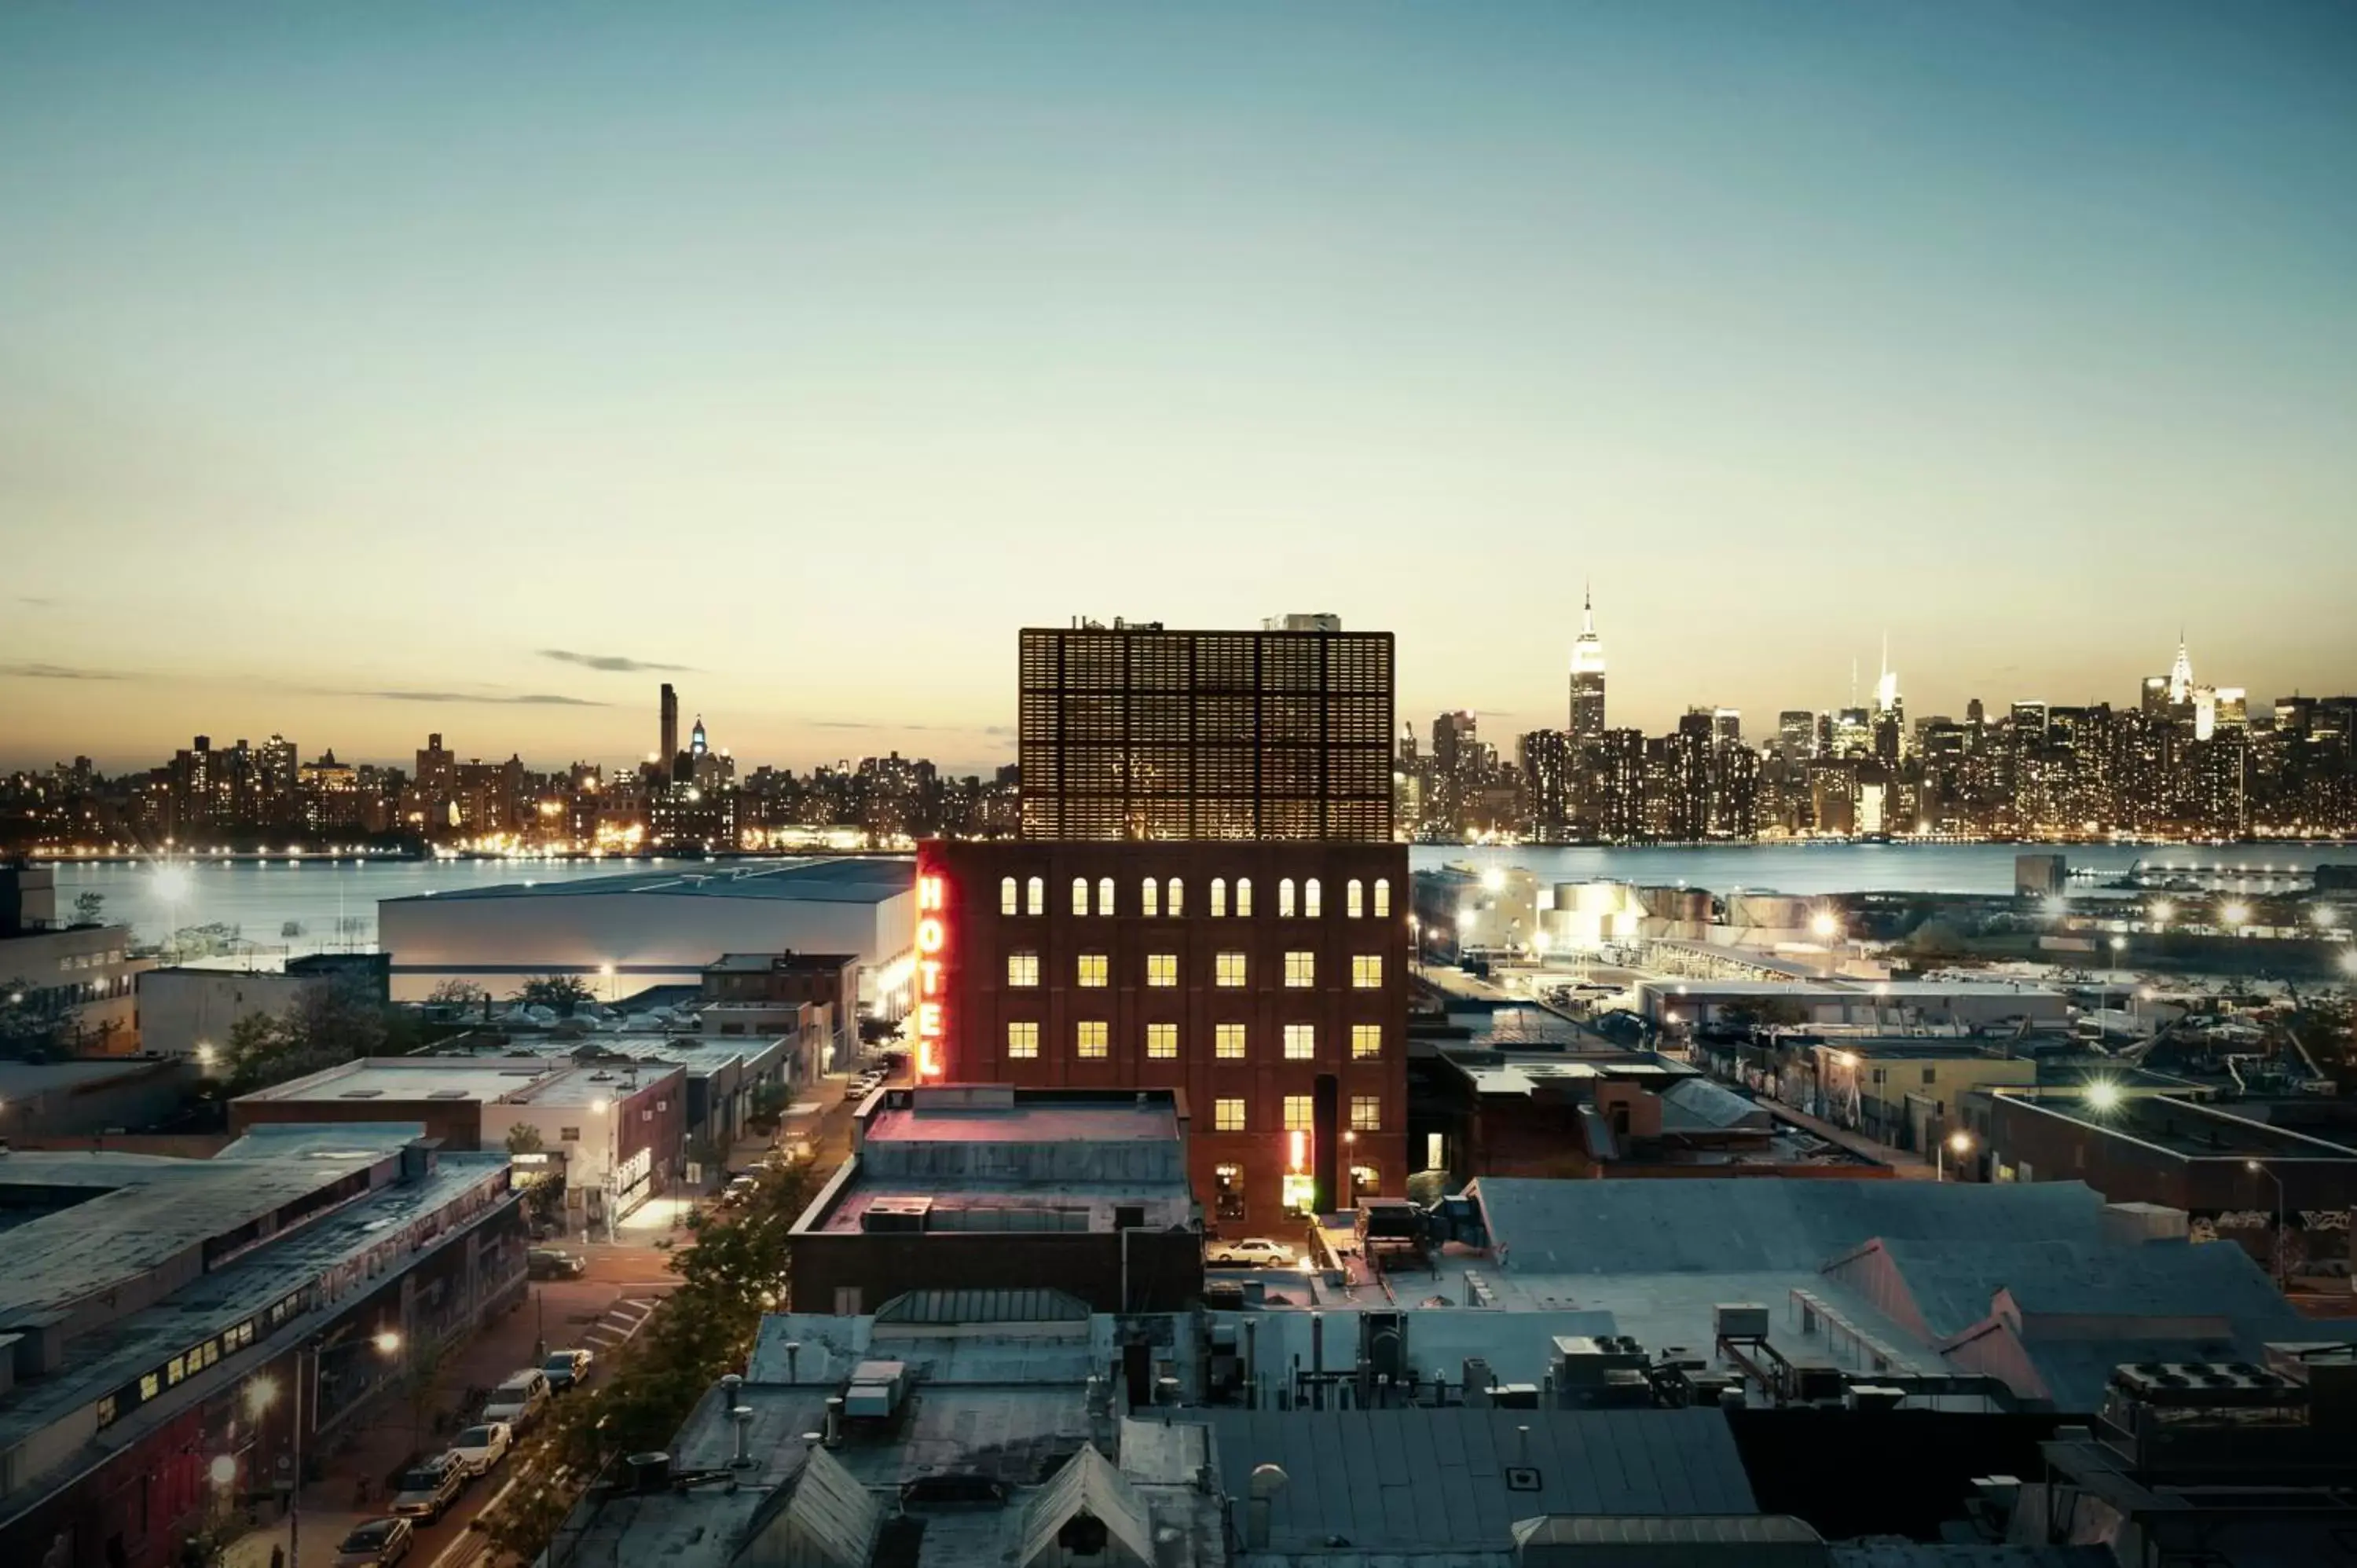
[(518, 1400)]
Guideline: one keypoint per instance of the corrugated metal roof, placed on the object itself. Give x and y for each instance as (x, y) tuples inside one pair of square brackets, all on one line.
[(1086, 1485), (983, 1306), (832, 1520), (1418, 1478)]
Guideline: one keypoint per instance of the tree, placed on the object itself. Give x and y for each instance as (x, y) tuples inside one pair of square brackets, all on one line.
[(560, 994), (458, 994), (524, 1138), (89, 908), (26, 1029), (331, 1022), (1764, 1012)]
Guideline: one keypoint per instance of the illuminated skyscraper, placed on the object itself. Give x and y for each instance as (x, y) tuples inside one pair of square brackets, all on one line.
[(2180, 677), (1588, 677)]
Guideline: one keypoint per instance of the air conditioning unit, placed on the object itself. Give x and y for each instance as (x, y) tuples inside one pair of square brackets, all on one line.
[(1739, 1320), (896, 1215)]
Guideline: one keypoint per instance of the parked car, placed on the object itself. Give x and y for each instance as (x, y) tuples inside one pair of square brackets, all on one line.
[(566, 1370), (551, 1263), (479, 1448), (738, 1191), (379, 1543), (1249, 1252), (859, 1088), (429, 1488), (518, 1400)]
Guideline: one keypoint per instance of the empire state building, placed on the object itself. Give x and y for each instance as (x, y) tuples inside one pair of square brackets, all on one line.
[(1588, 677)]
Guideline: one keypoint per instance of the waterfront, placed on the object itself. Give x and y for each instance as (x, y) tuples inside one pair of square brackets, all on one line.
[(333, 903)]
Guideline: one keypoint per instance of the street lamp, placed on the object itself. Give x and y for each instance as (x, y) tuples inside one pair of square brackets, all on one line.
[(2102, 1095), (2235, 914), (2278, 1269)]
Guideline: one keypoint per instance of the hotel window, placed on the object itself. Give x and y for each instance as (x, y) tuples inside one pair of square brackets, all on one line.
[(1023, 970), (1178, 898), (1313, 899), (1354, 898), (1366, 1113), (1366, 1042), (1228, 970), (1161, 1041), (1366, 971), (1089, 1036), (1383, 896), (1104, 895), (1023, 1040), (1219, 898), (1299, 1115), (1228, 1042), (1007, 903), (1227, 1115), (1285, 898), (1300, 1042), (1149, 898), (1093, 966), (1034, 897), (1300, 969), (1079, 895), (1161, 969), (1244, 895)]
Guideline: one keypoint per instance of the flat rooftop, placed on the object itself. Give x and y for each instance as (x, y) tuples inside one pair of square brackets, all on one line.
[(831, 880), (699, 1054), (27, 1081), (987, 1114), (2194, 1130), (481, 1078)]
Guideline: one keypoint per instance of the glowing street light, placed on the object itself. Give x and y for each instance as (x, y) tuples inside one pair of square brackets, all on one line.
[(1825, 925), (260, 1395), (2102, 1095), (2325, 915), (2162, 912), (388, 1342), (1960, 1144), (2236, 913), (223, 1470), (1493, 880)]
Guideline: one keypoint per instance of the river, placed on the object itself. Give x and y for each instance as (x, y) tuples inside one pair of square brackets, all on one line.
[(334, 903)]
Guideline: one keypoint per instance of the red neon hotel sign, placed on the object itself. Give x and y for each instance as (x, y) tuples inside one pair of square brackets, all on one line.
[(933, 975)]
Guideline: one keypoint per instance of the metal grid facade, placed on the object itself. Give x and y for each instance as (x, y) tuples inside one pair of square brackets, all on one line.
[(1136, 733)]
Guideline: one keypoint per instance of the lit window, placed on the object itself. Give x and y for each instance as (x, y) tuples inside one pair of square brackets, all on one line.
[(1300, 1042), (1354, 898), (1093, 966), (1366, 970), (1161, 1041), (1149, 898), (1219, 898), (1104, 895), (1383, 896), (1227, 1115), (1228, 970), (1007, 903), (1228, 1185), (1090, 1037), (1366, 1180), (1300, 969), (1079, 895), (150, 1385), (1161, 969), (106, 1411), (1366, 1113), (1298, 1116), (1176, 901), (1366, 1042), (1023, 969), (1244, 895), (1228, 1042), (1035, 897), (1023, 1040), (1313, 899), (1285, 898)]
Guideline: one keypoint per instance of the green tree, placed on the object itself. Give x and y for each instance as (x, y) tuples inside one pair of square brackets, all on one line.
[(524, 1138), (27, 1028), (1764, 1012), (560, 994), (332, 1022), (90, 908), (460, 993)]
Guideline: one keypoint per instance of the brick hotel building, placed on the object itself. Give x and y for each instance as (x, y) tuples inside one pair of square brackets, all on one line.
[(1206, 899)]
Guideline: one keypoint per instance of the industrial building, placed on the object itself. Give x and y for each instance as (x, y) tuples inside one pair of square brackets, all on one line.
[(187, 1011), (80, 977), (1881, 1006), (983, 1188), (623, 933), (96, 1095), (179, 1331)]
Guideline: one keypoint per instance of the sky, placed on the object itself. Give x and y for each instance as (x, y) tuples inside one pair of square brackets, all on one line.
[(367, 370)]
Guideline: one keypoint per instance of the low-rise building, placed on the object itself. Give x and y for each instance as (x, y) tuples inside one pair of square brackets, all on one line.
[(188, 1010), (1864, 1005), (988, 1186), (99, 1094), (738, 988), (1906, 1091), (78, 979)]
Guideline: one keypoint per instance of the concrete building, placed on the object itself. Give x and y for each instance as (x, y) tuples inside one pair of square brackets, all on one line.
[(74, 1099), (187, 1012), (1877, 1005), (991, 1188), (615, 1130), (163, 1318), (79, 977), (737, 986), (1907, 1092), (648, 928)]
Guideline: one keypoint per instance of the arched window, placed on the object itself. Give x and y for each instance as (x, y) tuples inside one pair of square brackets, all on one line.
[(1104, 895), (1079, 895), (1285, 898), (1243, 894), (1383, 896), (1035, 896), (1354, 898), (1007, 903), (1177, 899), (1219, 898), (1149, 899), (1313, 901)]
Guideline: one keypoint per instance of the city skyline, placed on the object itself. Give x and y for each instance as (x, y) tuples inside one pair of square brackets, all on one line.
[(423, 373)]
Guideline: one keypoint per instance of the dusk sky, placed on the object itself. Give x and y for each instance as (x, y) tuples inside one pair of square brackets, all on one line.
[(367, 370)]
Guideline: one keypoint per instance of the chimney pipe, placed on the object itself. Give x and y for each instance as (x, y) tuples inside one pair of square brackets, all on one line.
[(1318, 1343), (793, 1360), (1522, 1446), (1251, 1362), (833, 1438), (1268, 1480), (1382, 1391), (743, 1416)]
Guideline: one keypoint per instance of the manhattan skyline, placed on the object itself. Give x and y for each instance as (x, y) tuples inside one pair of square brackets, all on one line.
[(430, 371)]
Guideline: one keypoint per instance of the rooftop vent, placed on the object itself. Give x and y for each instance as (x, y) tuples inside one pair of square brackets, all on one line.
[(447, 1094), (361, 1093)]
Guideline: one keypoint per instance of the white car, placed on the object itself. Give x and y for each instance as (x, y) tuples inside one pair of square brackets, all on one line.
[(1249, 1251), (478, 1448), (517, 1402)]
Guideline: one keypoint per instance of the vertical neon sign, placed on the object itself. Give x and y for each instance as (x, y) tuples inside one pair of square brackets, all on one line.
[(933, 988)]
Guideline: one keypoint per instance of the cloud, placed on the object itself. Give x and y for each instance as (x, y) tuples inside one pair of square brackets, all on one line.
[(612, 663), (539, 699), (37, 601), (37, 672)]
